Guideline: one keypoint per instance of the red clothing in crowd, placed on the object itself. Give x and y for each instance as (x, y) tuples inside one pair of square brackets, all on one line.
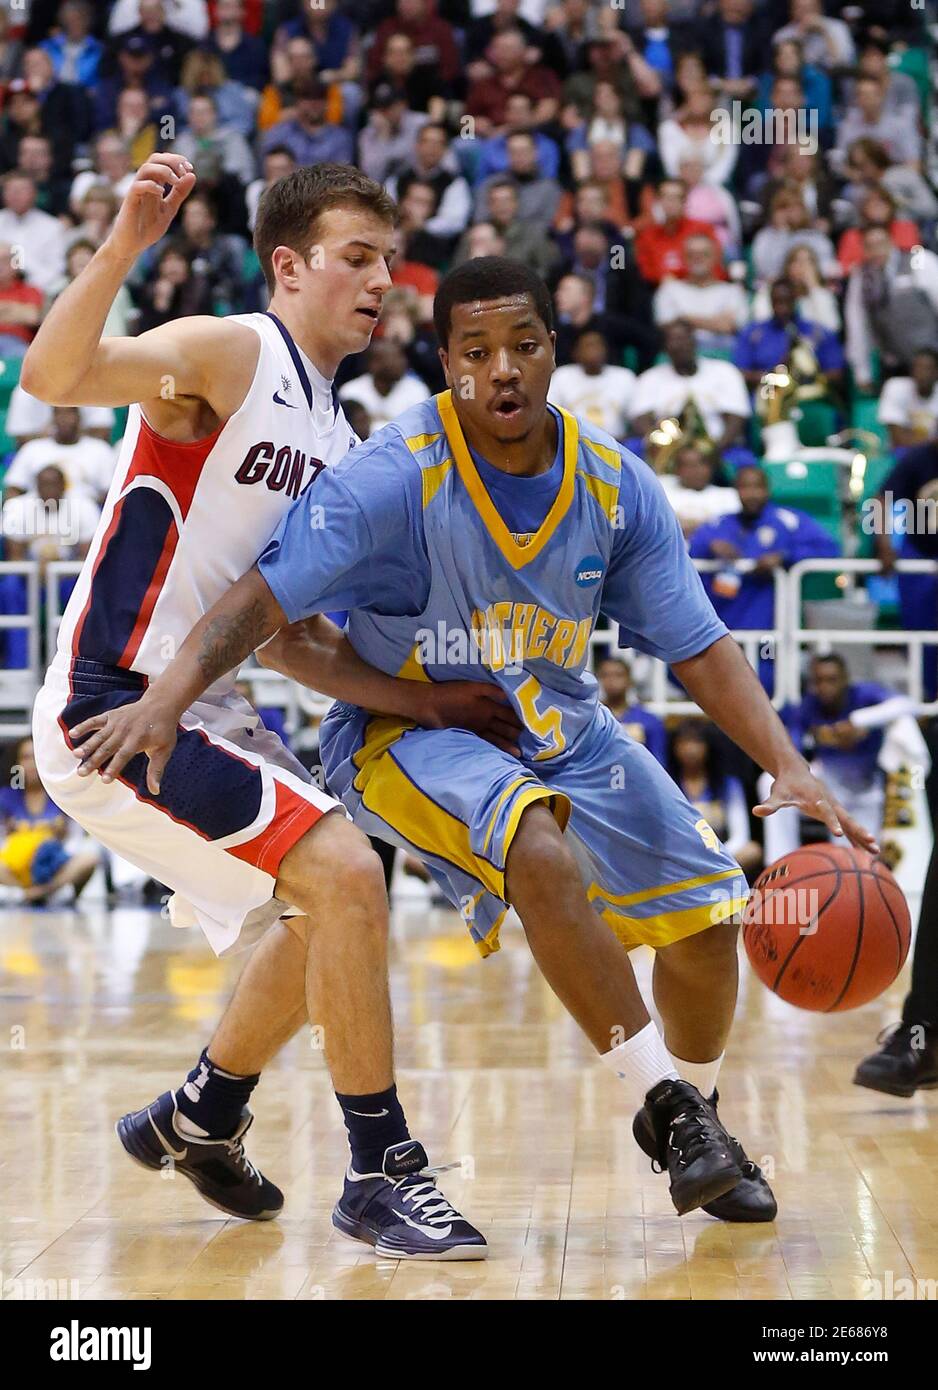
[(904, 235), (490, 96), (19, 294), (434, 45), (659, 249)]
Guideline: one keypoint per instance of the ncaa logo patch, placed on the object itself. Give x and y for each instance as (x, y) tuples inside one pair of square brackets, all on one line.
[(589, 571)]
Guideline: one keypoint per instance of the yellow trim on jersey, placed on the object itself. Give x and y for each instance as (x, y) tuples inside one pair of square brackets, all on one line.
[(606, 494), (380, 733), (668, 927), (490, 942), (610, 456), (516, 555), (432, 479), (512, 787), (662, 891), (421, 441), (412, 670)]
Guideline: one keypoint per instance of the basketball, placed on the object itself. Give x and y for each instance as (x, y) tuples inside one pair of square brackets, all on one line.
[(827, 928)]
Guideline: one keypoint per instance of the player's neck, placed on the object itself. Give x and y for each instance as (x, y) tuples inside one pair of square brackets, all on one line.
[(524, 458), (324, 355)]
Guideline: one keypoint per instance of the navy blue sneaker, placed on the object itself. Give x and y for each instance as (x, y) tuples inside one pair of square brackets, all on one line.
[(402, 1212), (218, 1168)]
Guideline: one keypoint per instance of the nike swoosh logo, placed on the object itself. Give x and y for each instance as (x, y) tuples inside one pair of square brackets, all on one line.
[(278, 400), (369, 1114), (175, 1153), (434, 1232)]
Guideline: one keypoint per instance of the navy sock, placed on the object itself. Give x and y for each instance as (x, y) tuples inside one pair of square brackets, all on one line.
[(373, 1123), (213, 1099)]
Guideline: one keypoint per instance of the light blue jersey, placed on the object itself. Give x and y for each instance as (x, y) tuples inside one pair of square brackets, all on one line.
[(443, 583)]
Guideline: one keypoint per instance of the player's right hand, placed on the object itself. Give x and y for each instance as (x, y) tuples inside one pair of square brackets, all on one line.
[(109, 741), (158, 191), (478, 706)]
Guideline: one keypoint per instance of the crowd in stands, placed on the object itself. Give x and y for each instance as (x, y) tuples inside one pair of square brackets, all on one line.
[(587, 139)]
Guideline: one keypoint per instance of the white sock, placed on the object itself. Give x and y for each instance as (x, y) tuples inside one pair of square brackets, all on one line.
[(642, 1061), (703, 1075)]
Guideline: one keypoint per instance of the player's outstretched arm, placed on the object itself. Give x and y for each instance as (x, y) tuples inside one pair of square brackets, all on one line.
[(726, 688), (315, 653), (69, 363), (237, 624)]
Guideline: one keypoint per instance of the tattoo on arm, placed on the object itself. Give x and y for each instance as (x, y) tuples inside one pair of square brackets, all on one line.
[(228, 639)]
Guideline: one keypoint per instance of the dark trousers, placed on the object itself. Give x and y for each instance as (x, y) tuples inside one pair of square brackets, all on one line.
[(921, 1005)]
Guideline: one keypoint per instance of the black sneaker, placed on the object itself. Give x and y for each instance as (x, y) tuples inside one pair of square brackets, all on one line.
[(218, 1168), (906, 1062), (750, 1200), (680, 1132), (402, 1212)]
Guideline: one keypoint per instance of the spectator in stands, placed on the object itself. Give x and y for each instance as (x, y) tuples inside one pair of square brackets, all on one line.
[(608, 201), (717, 797), (28, 419), (491, 155), (86, 463), (334, 39), (389, 141), (21, 305), (388, 387), (422, 88), (205, 136), (815, 302), (219, 257), (235, 105), (40, 239), (66, 110), (505, 15), (307, 134), (913, 486), (839, 724), (813, 82), (869, 118), (481, 239), (112, 167), (659, 246), (160, 26), (799, 171), (415, 244), (716, 388), (565, 31), (487, 97), (11, 50), (36, 159), (900, 92), (763, 345), (96, 213), (434, 163), (605, 123), (591, 388), (522, 242), (538, 197), (276, 164), (868, 166), (32, 855), (908, 405), (825, 41), (660, 42), (891, 306), (711, 204), (617, 694), (789, 226), (44, 524), (408, 321), (136, 67), (136, 127), (693, 492), (612, 57), (771, 536), (715, 308), (75, 52), (732, 46), (122, 314), (294, 62), (877, 209), (690, 132), (174, 290), (244, 55), (433, 39)]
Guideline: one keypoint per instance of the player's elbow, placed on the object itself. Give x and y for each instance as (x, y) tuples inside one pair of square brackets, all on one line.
[(38, 380)]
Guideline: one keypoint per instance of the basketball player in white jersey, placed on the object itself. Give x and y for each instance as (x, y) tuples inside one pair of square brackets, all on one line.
[(232, 419)]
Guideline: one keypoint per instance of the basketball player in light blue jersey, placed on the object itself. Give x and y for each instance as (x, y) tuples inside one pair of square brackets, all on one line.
[(479, 535)]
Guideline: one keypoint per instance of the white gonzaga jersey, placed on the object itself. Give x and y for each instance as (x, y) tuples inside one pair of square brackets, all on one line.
[(182, 522)]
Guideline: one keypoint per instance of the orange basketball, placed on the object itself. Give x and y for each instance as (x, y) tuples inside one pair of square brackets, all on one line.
[(827, 928)]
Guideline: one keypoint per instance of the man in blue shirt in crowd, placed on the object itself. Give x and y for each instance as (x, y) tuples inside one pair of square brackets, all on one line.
[(615, 684), (762, 346), (771, 536)]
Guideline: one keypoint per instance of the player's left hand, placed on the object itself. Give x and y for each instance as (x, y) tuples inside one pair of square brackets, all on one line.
[(479, 706), (797, 786)]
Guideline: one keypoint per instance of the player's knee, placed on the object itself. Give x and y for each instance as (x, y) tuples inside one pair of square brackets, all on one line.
[(332, 866), (715, 947), (540, 861)]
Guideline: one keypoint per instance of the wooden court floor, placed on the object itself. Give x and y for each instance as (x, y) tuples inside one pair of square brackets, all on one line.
[(100, 1011)]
